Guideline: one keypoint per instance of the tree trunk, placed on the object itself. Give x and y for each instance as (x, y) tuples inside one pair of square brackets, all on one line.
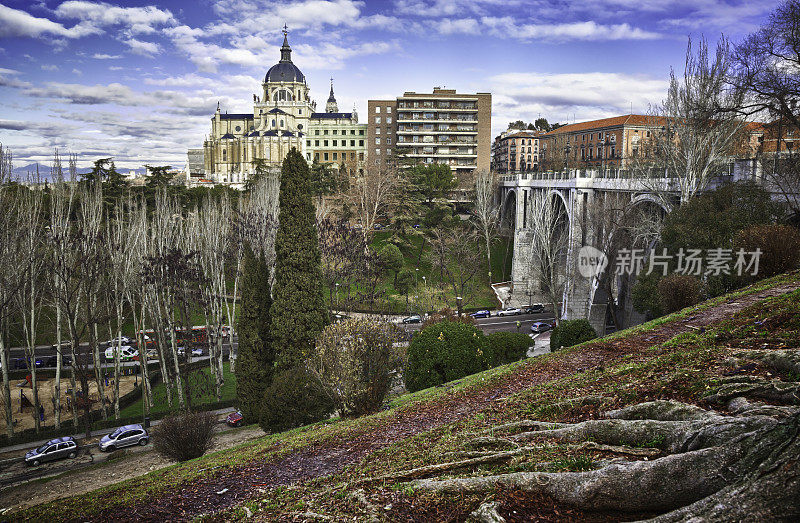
[(6, 385), (98, 370), (59, 363)]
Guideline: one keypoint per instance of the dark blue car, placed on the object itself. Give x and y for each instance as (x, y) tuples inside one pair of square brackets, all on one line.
[(481, 314)]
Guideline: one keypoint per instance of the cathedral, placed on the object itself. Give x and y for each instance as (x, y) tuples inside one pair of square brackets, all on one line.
[(284, 116)]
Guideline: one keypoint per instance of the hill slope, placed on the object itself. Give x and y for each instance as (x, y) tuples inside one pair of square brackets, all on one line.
[(559, 437)]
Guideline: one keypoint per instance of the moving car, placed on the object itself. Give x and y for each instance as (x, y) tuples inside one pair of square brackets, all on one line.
[(510, 311), (234, 419), (126, 352), (125, 436), (414, 318), (54, 449), (541, 326), (481, 314), (536, 308)]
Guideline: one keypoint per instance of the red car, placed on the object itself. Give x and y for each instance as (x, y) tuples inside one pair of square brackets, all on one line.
[(234, 419)]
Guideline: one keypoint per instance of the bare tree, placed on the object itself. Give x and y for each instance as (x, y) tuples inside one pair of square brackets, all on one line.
[(30, 294), (487, 211), (547, 234), (457, 255), (62, 201), (766, 74), (695, 139), (371, 193)]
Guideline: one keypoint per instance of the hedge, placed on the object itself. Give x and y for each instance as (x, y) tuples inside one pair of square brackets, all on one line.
[(509, 346), (571, 332), (446, 351)]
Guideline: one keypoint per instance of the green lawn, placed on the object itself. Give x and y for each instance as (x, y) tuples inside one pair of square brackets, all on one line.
[(160, 394)]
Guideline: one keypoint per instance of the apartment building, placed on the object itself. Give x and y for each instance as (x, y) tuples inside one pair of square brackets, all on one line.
[(515, 150), (381, 129), (439, 127)]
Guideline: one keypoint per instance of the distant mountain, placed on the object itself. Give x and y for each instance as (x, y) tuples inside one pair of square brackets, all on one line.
[(22, 172)]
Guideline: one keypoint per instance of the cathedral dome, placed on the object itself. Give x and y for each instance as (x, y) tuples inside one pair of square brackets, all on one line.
[(285, 70)]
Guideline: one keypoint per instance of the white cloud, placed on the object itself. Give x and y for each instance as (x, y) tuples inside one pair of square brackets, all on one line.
[(141, 47), (447, 26), (49, 67), (77, 72), (14, 22), (101, 56), (560, 97), (134, 19), (506, 27)]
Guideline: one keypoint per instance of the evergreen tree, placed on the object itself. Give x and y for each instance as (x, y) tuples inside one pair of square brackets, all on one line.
[(256, 358), (298, 311)]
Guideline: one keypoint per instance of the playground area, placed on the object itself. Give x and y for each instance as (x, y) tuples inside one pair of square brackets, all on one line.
[(22, 400)]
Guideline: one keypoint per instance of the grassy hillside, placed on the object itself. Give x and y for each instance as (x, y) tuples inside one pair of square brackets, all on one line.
[(360, 468)]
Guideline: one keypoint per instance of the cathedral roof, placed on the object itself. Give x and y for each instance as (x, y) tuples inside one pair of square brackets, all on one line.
[(227, 135), (236, 116), (276, 111), (285, 70)]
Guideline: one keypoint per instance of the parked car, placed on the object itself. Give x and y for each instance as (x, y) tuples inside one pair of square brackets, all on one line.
[(123, 340), (234, 419), (126, 353), (125, 436), (195, 351), (481, 314), (52, 361), (510, 311), (541, 326), (414, 318), (536, 308), (54, 449), (24, 363)]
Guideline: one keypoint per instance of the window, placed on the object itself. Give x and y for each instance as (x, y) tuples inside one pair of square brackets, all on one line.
[(316, 156), (281, 123), (224, 155), (308, 143), (325, 131), (316, 143), (378, 152), (388, 119), (377, 119), (352, 131), (335, 131), (352, 143), (325, 157), (389, 110), (361, 143), (361, 132), (388, 141), (334, 156), (352, 156), (325, 143), (377, 141), (377, 110), (361, 156), (273, 123), (299, 111), (377, 130), (316, 132), (335, 143)]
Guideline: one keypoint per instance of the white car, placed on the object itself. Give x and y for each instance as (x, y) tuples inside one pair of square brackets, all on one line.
[(510, 311), (126, 352), (123, 340), (196, 352)]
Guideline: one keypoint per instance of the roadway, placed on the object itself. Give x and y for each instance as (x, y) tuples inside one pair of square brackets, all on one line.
[(502, 323)]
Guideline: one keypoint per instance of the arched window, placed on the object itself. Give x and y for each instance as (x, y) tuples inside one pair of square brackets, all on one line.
[(281, 123), (282, 95), (273, 123)]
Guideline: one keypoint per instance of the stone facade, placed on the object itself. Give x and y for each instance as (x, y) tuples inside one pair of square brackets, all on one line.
[(283, 117), (516, 151)]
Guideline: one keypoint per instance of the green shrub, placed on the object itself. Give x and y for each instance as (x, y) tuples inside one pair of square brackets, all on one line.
[(678, 291), (294, 399), (508, 346), (446, 351), (571, 332), (354, 361)]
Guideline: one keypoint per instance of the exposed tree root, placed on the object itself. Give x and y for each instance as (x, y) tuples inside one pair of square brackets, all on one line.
[(486, 513), (742, 467), (779, 391), (619, 449)]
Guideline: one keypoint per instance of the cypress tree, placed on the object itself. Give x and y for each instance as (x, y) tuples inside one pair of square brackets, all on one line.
[(298, 310), (256, 358)]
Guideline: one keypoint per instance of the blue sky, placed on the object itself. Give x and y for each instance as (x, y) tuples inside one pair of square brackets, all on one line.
[(139, 80)]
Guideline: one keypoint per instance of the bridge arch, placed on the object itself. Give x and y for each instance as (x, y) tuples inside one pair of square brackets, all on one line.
[(508, 210)]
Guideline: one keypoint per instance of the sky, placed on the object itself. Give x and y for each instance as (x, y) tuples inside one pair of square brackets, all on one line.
[(139, 80)]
